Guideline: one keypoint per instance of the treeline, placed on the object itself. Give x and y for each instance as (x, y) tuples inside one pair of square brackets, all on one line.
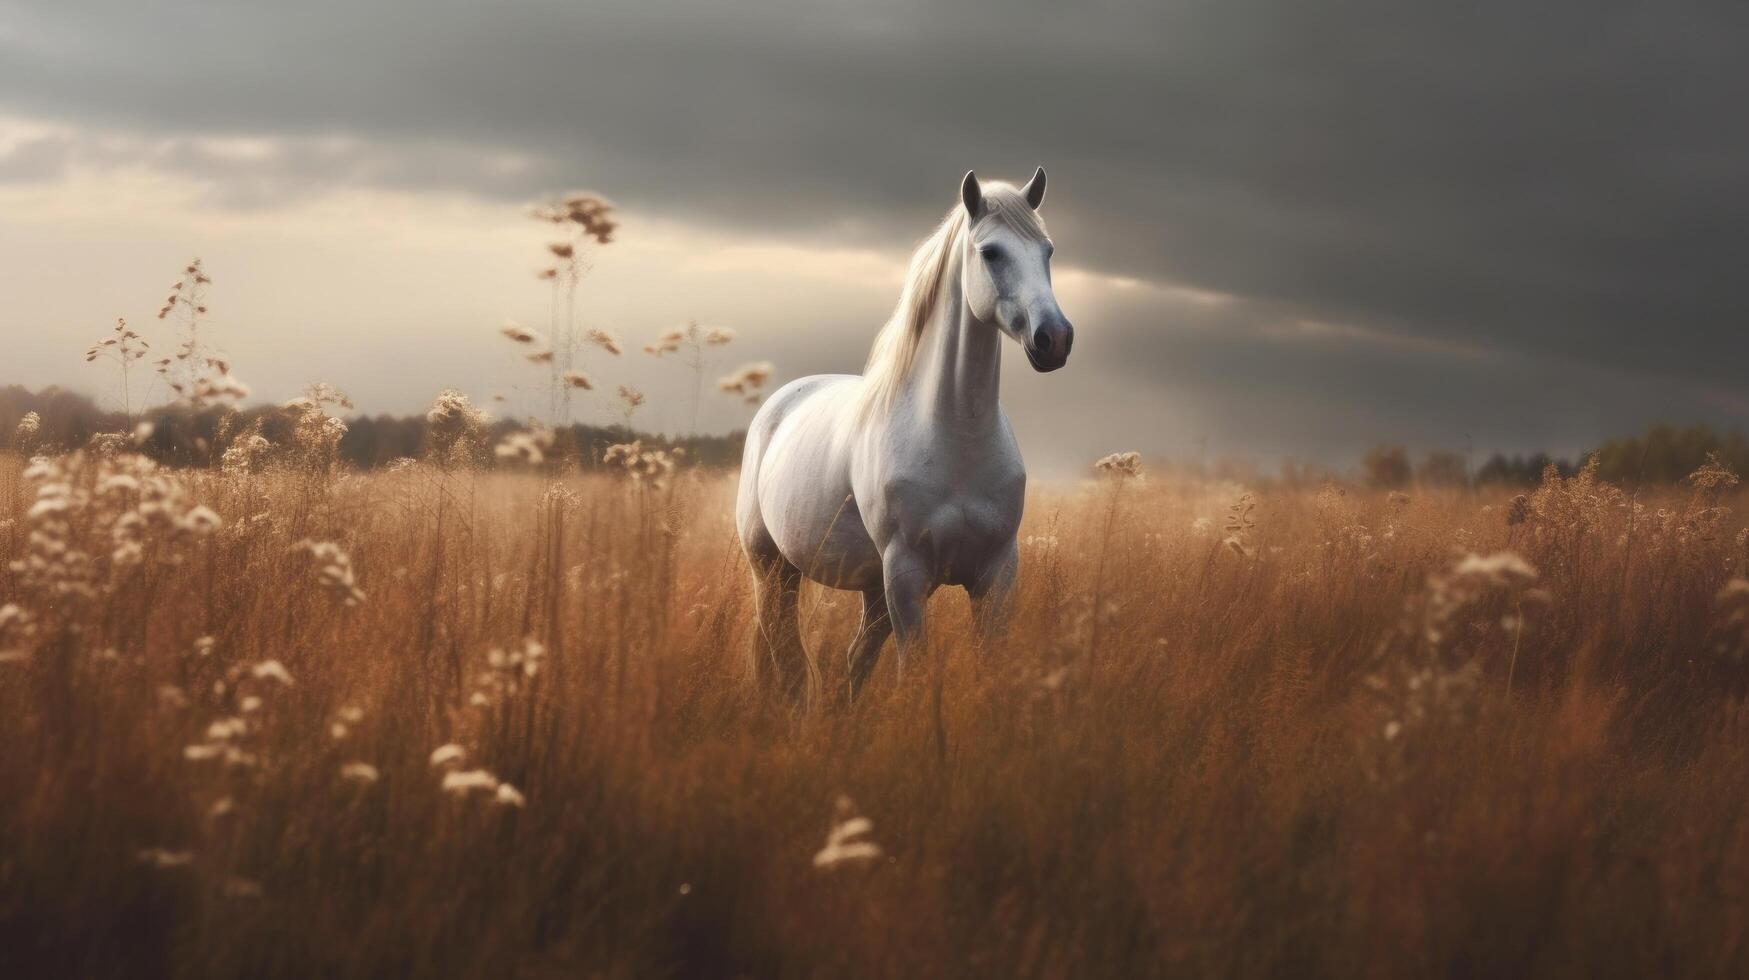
[(1666, 453), (179, 436), (1390, 467), (1663, 454)]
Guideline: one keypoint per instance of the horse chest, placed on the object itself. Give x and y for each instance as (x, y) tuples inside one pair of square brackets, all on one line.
[(956, 508)]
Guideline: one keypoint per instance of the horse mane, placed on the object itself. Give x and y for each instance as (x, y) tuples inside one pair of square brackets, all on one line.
[(933, 268)]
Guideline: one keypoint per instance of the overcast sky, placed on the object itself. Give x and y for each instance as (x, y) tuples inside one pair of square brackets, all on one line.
[(1281, 227)]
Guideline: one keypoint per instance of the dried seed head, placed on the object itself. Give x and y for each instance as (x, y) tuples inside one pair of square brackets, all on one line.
[(1122, 466), (519, 333), (606, 341)]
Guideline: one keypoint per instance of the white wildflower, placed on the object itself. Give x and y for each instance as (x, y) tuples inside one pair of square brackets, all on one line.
[(463, 782), (271, 670), (847, 842), (159, 857), (241, 888), (359, 772), (333, 570), (447, 754)]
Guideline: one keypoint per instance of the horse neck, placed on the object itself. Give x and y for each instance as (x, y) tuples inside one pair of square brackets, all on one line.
[(959, 367)]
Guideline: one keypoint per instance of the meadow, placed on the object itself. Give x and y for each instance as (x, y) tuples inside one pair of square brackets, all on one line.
[(280, 718)]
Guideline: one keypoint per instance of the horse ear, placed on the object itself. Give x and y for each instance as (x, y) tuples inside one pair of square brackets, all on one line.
[(1035, 189), (972, 195)]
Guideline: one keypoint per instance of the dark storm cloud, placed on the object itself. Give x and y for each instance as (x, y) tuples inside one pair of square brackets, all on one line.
[(1562, 183)]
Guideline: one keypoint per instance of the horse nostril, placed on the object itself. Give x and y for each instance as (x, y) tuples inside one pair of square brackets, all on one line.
[(1041, 341)]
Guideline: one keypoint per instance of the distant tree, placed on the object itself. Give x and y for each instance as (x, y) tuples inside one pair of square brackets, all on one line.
[(1440, 468), (1520, 471), (1297, 474), (1667, 454), (1387, 467), (69, 420)]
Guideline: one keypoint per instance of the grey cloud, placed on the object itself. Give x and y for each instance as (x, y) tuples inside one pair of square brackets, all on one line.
[(35, 160), (1563, 183)]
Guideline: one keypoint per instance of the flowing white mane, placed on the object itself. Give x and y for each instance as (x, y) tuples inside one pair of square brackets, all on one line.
[(934, 267)]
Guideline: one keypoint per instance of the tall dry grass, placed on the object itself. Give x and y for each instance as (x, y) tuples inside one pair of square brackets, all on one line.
[(1295, 733)]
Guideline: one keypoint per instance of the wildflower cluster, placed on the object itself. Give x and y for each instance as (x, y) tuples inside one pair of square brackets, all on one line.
[(692, 338), (630, 400), (589, 215), (1472, 614), (197, 375), (650, 465), (747, 381), (316, 434), (1566, 510), (1454, 594), (247, 453), (454, 428), (667, 342), (27, 432), (231, 739), (695, 342), (93, 519), (229, 758), (588, 221), (188, 291), (507, 671), (463, 783), (214, 387), (585, 219), (1240, 526), (1704, 516), (1729, 641), (107, 443), (333, 570), (1120, 466), (345, 720), (124, 346), (528, 447), (16, 631)]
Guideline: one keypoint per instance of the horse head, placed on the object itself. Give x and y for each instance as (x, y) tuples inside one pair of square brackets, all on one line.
[(1007, 271)]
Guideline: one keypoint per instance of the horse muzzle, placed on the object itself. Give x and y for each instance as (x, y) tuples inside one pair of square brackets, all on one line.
[(1047, 346)]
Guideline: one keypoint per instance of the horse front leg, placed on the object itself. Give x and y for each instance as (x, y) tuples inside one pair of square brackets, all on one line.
[(865, 649), (907, 582), (993, 595)]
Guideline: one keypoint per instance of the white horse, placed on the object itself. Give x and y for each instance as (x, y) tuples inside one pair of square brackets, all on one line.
[(906, 478)]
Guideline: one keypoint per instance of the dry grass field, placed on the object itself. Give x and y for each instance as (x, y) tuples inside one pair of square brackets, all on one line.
[(1315, 732)]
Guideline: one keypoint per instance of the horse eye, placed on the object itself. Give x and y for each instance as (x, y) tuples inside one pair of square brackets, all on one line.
[(992, 254)]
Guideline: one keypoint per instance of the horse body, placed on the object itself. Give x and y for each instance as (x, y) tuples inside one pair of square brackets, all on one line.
[(906, 478)]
